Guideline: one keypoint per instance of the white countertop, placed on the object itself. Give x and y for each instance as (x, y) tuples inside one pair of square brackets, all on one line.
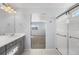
[(5, 39)]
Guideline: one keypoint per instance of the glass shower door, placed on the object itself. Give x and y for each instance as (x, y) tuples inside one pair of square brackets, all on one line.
[(74, 36), (61, 34)]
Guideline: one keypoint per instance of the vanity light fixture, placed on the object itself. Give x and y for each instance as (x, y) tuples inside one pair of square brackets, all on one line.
[(8, 8)]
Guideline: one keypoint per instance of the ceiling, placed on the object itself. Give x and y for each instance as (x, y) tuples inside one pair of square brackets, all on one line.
[(51, 9), (42, 5)]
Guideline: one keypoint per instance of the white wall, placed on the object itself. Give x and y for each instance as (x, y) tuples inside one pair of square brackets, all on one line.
[(35, 17), (6, 23), (23, 25), (50, 34)]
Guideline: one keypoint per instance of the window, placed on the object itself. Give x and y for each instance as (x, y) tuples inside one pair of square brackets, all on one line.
[(76, 13)]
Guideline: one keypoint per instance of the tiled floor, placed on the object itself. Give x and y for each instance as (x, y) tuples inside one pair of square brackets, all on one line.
[(38, 42), (40, 52)]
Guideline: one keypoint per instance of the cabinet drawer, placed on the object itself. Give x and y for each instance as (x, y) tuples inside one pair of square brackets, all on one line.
[(2, 50)]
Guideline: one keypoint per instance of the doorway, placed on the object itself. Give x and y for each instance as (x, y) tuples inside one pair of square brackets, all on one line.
[(37, 33)]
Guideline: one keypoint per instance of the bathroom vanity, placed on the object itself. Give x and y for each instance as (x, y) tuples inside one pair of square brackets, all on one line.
[(12, 45)]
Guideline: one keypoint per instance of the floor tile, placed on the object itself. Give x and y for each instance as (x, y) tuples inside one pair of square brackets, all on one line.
[(40, 52)]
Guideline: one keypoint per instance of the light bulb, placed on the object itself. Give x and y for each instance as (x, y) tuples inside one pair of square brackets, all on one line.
[(15, 12), (2, 7), (6, 9), (12, 10), (9, 8), (9, 11)]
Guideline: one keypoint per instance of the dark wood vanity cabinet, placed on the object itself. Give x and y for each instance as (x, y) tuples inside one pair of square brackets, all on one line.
[(2, 50), (20, 44), (10, 47), (13, 48)]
